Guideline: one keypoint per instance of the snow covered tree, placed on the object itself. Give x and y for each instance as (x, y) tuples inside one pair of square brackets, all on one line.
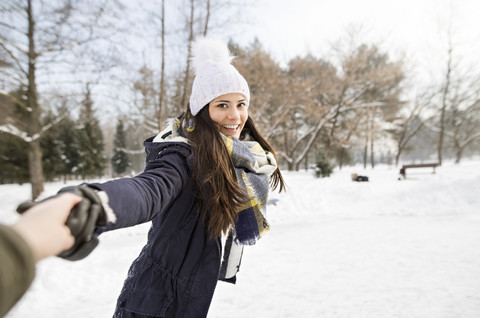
[(90, 141), (120, 160)]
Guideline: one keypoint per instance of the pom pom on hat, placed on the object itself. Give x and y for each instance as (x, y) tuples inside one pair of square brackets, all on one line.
[(209, 50), (214, 74)]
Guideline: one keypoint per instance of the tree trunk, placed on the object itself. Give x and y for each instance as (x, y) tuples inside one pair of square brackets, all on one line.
[(35, 168), (372, 136), (372, 153), (186, 81), (365, 152), (458, 155), (162, 72), (207, 19), (297, 165), (444, 100), (397, 156), (34, 152), (290, 166)]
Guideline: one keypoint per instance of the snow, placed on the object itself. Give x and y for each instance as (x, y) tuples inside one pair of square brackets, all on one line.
[(337, 248)]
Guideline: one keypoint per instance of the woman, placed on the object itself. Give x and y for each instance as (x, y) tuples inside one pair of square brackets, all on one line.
[(204, 188)]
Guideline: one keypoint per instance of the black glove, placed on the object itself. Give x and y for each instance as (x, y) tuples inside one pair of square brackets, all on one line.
[(84, 218)]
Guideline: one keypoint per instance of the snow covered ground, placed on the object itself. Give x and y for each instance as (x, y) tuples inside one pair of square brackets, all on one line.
[(337, 248)]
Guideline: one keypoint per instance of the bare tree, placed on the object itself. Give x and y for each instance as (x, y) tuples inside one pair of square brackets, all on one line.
[(375, 82), (186, 80), (458, 99), (34, 36), (445, 92), (408, 124), (463, 118), (311, 81), (466, 130), (199, 23), (269, 99), (145, 91), (313, 101)]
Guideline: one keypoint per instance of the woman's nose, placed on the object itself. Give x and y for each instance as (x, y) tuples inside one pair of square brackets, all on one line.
[(233, 113)]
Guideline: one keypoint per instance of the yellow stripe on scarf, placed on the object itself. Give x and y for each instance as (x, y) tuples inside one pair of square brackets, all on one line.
[(257, 148), (229, 144)]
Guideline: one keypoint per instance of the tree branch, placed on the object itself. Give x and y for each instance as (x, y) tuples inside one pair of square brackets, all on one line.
[(15, 58)]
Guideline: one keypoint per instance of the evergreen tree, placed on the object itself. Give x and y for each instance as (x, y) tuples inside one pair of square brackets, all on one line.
[(90, 141), (51, 151), (69, 148), (13, 148), (120, 160), (13, 159), (324, 167), (60, 147)]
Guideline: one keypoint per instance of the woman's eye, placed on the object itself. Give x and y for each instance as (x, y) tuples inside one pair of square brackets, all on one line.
[(241, 105), (222, 105)]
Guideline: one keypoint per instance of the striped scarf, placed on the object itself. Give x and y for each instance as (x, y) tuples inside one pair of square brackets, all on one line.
[(253, 166)]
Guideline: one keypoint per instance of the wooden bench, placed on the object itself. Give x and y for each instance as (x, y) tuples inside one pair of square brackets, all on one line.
[(403, 170)]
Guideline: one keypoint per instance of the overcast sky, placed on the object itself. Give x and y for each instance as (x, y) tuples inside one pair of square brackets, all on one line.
[(416, 27)]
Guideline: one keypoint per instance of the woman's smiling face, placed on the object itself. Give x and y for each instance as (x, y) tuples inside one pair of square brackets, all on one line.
[(230, 112)]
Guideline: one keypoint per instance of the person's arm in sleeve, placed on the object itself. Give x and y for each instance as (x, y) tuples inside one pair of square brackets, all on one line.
[(17, 268), (40, 232), (141, 198)]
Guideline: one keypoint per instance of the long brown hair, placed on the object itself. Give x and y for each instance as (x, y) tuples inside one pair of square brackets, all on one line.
[(213, 173)]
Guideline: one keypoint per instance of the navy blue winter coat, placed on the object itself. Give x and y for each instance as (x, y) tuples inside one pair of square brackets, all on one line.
[(176, 272)]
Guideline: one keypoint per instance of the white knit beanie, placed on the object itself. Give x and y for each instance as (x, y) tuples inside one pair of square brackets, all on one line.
[(214, 74)]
